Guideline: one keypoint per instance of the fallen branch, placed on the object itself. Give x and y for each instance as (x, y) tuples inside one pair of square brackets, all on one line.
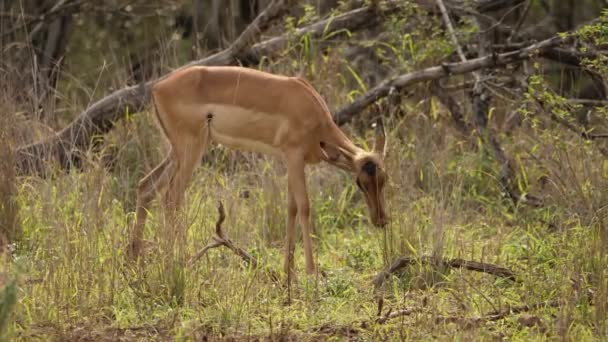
[(403, 262), (394, 314), (220, 239), (101, 117)]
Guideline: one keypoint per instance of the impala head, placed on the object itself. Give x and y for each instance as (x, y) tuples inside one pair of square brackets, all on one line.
[(369, 171)]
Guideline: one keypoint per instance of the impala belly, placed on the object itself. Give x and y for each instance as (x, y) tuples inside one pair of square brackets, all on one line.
[(246, 129)]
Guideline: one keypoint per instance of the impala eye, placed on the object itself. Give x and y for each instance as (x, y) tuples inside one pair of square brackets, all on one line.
[(369, 168)]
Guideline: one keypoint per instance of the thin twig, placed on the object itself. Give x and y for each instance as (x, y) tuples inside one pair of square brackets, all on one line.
[(448, 24), (520, 21)]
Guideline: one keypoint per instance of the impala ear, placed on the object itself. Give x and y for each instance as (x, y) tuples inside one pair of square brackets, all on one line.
[(380, 143), (337, 155)]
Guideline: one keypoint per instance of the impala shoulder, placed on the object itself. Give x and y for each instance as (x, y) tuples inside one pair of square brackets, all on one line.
[(317, 100)]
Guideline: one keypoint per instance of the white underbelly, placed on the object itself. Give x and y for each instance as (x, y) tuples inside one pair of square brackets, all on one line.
[(246, 129), (244, 144)]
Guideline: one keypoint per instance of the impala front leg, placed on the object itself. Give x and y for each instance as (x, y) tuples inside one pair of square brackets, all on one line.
[(297, 181)]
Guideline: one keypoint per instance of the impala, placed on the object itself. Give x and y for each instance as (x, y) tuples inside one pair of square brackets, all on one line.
[(256, 111)]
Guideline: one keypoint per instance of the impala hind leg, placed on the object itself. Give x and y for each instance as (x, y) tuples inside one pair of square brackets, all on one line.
[(187, 157), (147, 189)]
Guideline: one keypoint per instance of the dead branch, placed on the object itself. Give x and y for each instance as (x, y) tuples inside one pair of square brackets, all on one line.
[(101, 117), (347, 113), (403, 262), (220, 239)]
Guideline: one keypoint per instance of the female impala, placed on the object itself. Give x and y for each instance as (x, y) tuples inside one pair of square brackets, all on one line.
[(256, 111)]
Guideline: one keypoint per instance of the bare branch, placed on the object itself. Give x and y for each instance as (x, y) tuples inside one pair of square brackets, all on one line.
[(221, 239), (520, 21), (448, 24), (347, 113)]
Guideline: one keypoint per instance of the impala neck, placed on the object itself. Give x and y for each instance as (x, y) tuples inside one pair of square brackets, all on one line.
[(335, 136), (345, 143)]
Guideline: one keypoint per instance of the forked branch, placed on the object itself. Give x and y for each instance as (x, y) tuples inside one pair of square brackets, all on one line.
[(220, 239)]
